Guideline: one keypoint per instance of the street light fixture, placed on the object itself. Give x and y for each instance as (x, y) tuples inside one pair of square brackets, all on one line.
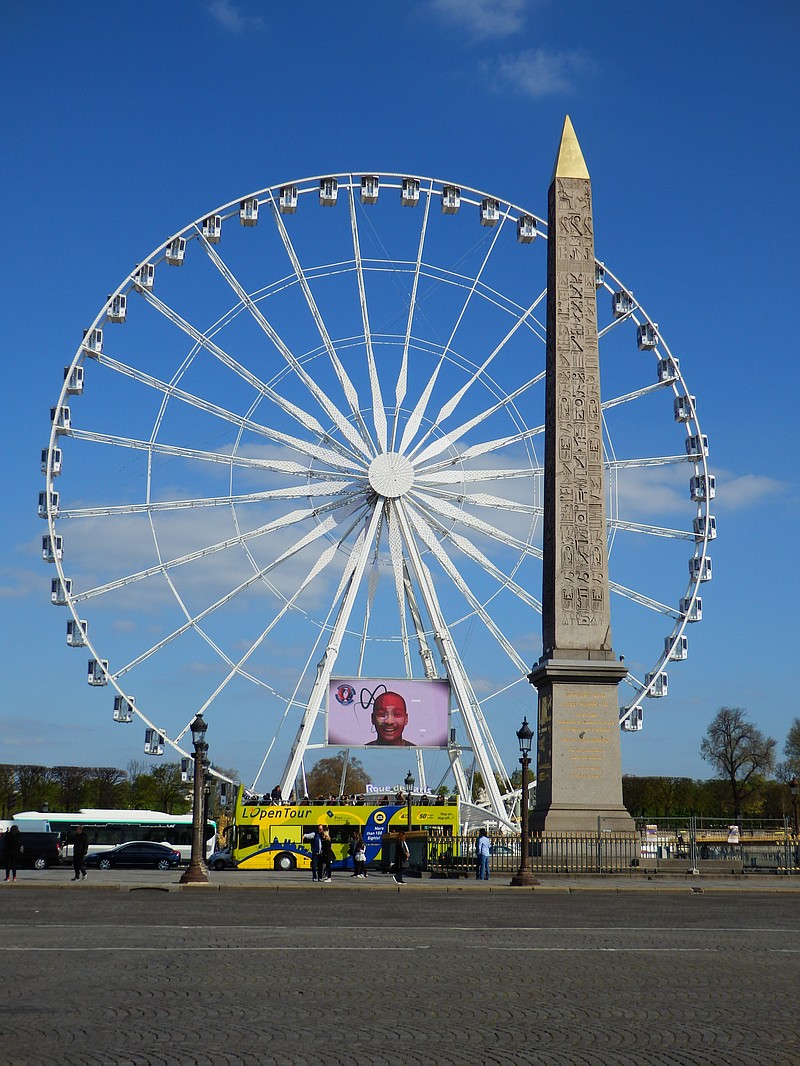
[(794, 788), (197, 871), (523, 877), (409, 783)]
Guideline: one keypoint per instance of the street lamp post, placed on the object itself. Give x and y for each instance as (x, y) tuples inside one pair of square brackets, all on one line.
[(795, 790), (197, 872), (523, 876), (409, 783)]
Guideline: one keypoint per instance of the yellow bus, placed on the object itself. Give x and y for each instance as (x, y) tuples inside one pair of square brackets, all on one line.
[(278, 837)]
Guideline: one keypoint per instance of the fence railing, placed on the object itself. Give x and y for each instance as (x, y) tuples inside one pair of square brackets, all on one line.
[(682, 847)]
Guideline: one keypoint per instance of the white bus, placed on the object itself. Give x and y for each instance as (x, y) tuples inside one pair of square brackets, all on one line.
[(108, 828)]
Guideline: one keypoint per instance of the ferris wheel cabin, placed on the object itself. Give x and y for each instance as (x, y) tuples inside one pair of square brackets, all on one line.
[(118, 308), (328, 192), (702, 487), (369, 189), (52, 548), (677, 650), (153, 742), (705, 527), (657, 684), (526, 229), (57, 459), (73, 377), (76, 633), (451, 199), (248, 212), (60, 591), (409, 192), (692, 609), (287, 199), (98, 672), (212, 229), (123, 708), (700, 569), (93, 341), (176, 251), (59, 416), (145, 276), (489, 212), (48, 504)]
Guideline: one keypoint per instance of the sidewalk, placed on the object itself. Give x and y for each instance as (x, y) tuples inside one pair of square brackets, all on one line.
[(297, 881)]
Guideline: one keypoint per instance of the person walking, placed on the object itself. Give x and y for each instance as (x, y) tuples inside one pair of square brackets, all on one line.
[(317, 862), (359, 856), (401, 856), (13, 844), (483, 849), (80, 845), (327, 855)]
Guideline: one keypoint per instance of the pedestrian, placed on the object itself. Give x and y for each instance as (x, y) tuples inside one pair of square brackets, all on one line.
[(317, 860), (401, 855), (360, 856), (13, 844), (80, 845), (327, 855), (351, 851), (483, 849)]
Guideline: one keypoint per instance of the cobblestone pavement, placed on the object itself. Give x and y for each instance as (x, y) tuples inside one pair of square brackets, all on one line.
[(286, 972)]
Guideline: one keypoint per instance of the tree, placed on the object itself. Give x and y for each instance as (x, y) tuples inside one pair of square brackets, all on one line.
[(739, 752), (790, 767), (104, 786), (163, 790), (325, 777)]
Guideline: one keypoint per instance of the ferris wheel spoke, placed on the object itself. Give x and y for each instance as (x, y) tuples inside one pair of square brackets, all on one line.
[(331, 488), (425, 532), (270, 527), (642, 600), (637, 394), (278, 466), (314, 451), (402, 376), (415, 419), (653, 460), (477, 556), (193, 621), (398, 571), (351, 395), (302, 417), (449, 408), (372, 586), (332, 411), (378, 413), (449, 439), (485, 448), (456, 476), (447, 510), (318, 566), (486, 499), (653, 531)]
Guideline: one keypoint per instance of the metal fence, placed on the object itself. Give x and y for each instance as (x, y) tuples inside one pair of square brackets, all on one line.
[(686, 845)]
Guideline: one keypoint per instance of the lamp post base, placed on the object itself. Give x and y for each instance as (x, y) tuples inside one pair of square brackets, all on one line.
[(523, 878), (196, 873)]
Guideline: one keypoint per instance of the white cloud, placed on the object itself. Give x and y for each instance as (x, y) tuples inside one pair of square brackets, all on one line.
[(231, 18), (483, 18), (737, 493), (537, 72)]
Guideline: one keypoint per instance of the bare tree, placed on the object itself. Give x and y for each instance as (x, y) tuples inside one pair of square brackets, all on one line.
[(739, 752), (790, 767)]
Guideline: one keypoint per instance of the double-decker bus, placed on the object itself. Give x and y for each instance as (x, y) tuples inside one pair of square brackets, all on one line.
[(108, 828), (278, 837)]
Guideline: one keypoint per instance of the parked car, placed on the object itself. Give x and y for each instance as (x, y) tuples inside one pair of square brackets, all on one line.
[(221, 860), (139, 853), (39, 850)]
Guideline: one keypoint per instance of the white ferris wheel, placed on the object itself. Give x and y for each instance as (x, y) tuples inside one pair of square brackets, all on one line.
[(304, 437)]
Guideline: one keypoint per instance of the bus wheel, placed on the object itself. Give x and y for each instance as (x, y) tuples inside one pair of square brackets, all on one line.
[(284, 861)]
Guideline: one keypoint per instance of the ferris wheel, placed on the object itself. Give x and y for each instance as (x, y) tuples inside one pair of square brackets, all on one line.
[(303, 438)]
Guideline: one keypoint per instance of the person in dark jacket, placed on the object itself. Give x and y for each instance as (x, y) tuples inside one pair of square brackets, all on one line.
[(80, 845), (13, 843)]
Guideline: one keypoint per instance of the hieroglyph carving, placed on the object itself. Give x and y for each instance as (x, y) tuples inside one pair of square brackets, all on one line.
[(580, 568)]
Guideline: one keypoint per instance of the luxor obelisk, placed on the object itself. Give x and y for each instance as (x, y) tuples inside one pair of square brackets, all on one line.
[(579, 773)]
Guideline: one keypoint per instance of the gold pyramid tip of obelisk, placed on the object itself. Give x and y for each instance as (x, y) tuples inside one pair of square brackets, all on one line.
[(569, 161)]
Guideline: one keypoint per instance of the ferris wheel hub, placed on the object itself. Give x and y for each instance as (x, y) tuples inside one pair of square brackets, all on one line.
[(391, 475)]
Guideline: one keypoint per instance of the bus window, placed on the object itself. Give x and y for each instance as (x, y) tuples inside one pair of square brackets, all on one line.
[(248, 836)]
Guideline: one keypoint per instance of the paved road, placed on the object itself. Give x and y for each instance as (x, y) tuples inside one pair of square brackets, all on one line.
[(287, 972)]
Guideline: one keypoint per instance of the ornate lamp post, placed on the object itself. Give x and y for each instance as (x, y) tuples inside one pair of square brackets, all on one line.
[(197, 872), (523, 876), (794, 788), (409, 783)]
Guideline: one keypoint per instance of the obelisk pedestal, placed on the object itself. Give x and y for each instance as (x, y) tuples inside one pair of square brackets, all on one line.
[(579, 772)]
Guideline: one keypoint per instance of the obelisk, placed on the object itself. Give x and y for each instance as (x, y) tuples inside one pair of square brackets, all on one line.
[(579, 772)]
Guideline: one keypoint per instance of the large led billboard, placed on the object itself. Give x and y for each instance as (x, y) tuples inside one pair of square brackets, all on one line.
[(386, 713)]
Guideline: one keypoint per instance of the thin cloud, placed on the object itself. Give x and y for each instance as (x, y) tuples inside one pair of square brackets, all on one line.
[(750, 490), (537, 72), (231, 18), (483, 18)]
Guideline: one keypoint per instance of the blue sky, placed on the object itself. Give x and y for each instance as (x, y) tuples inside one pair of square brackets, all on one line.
[(122, 124)]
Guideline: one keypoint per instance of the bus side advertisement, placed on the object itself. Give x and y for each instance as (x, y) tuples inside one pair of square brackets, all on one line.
[(279, 837)]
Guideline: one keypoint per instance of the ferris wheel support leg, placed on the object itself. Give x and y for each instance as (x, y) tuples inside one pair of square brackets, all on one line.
[(467, 701), (359, 561)]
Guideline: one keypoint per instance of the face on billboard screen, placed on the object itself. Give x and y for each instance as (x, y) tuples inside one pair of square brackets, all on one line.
[(385, 713)]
